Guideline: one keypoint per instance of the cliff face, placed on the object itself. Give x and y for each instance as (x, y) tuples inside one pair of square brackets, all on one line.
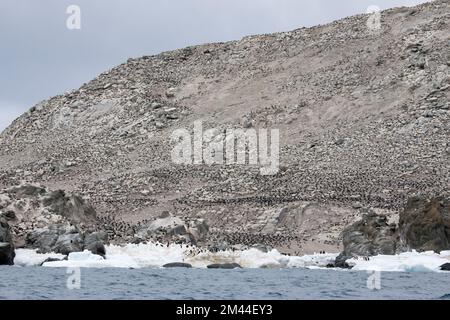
[(363, 117)]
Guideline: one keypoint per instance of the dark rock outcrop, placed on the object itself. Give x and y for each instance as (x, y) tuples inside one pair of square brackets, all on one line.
[(64, 239), (425, 224), (51, 260), (340, 262), (177, 230), (224, 266), (200, 230), (170, 228), (95, 242), (72, 207), (8, 215), (445, 267), (27, 190), (369, 236), (45, 239), (7, 253), (35, 211), (67, 243), (177, 265)]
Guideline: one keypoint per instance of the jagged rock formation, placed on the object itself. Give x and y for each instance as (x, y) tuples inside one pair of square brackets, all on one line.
[(50, 221), (65, 239), (168, 228), (7, 253), (370, 236), (364, 120), (425, 224), (29, 207)]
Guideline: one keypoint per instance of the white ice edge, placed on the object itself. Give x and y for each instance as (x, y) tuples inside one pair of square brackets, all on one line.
[(152, 255)]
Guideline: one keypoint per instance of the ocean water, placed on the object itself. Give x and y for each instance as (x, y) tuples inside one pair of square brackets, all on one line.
[(150, 283), (135, 272)]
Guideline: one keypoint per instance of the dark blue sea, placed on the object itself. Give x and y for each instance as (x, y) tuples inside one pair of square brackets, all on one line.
[(112, 283)]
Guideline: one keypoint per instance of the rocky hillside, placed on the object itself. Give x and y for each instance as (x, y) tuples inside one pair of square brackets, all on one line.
[(364, 120)]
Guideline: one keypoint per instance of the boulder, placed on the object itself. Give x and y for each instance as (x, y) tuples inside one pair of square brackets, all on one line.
[(27, 190), (68, 243), (177, 265), (424, 224), (167, 225), (64, 239), (32, 210), (44, 239), (72, 207), (445, 267), (340, 262), (7, 253), (8, 215), (137, 240), (170, 93), (164, 214), (94, 242), (177, 230), (168, 222), (156, 105), (224, 266), (200, 230), (51, 260), (372, 235)]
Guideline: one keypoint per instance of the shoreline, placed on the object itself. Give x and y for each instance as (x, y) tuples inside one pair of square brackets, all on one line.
[(68, 231), (155, 256)]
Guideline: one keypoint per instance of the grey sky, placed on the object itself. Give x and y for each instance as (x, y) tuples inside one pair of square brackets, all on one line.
[(40, 57)]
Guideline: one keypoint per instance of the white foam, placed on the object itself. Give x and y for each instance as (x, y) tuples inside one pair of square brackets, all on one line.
[(406, 262), (153, 255), (312, 261), (30, 257)]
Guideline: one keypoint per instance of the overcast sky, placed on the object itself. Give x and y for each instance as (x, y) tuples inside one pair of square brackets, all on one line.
[(40, 57)]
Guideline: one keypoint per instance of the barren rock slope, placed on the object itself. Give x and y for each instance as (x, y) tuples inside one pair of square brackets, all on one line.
[(363, 116)]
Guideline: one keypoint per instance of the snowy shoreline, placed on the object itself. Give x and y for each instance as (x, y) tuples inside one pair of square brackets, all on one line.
[(153, 255)]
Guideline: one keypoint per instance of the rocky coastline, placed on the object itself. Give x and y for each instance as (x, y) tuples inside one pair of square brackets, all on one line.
[(424, 225), (33, 217)]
